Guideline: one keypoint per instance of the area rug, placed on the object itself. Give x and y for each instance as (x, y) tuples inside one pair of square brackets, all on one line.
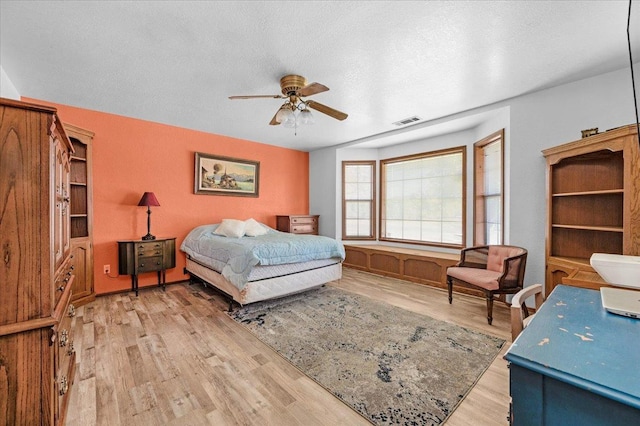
[(391, 365)]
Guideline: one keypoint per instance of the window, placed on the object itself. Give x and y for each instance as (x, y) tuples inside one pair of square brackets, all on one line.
[(423, 198), (358, 200), (488, 188)]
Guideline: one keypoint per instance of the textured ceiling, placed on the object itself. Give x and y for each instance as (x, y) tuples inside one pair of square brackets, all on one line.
[(178, 62)]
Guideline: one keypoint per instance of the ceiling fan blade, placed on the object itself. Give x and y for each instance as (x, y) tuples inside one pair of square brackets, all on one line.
[(256, 96), (312, 89), (338, 115), (273, 121)]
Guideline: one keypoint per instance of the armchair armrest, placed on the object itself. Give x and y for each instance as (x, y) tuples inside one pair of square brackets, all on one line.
[(474, 257), (513, 271)]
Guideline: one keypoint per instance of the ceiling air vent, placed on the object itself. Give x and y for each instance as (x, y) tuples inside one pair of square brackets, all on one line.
[(407, 121)]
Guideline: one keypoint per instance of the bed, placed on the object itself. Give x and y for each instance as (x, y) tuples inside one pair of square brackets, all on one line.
[(249, 261)]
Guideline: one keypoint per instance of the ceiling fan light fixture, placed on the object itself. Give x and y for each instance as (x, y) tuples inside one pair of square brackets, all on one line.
[(306, 117), (290, 121), (284, 114), (295, 109)]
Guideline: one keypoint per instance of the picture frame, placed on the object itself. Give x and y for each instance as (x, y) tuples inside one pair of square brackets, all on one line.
[(218, 175)]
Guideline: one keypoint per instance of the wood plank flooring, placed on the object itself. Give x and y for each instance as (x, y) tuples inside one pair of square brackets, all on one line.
[(176, 358)]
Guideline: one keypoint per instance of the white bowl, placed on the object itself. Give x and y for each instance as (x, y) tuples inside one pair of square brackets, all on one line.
[(617, 269)]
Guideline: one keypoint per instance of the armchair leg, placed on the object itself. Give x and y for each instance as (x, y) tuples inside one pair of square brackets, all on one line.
[(450, 288), (489, 308)]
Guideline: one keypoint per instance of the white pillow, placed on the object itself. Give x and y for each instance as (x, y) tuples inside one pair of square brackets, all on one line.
[(231, 228), (253, 228)]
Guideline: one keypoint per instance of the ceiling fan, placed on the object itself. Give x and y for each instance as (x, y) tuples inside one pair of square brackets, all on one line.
[(294, 88)]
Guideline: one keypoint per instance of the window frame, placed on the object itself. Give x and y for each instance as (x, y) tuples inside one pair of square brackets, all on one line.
[(441, 152), (479, 222), (373, 200)]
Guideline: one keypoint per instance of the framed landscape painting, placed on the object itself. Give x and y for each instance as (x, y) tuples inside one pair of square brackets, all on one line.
[(216, 175)]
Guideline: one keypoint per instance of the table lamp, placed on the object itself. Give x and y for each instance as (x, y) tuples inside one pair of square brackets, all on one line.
[(149, 199)]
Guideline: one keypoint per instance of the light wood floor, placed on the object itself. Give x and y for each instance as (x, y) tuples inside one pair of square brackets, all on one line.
[(175, 358)]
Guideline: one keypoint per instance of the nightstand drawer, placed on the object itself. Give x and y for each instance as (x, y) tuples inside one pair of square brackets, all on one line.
[(149, 249), (149, 264), (295, 220), (307, 228)]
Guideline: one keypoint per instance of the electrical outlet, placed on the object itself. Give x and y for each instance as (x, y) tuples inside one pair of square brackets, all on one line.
[(107, 269)]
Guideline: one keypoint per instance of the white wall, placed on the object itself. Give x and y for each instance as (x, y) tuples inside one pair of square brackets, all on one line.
[(532, 122), (7, 89), (324, 172)]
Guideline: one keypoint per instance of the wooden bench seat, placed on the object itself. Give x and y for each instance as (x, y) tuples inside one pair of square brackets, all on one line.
[(420, 266)]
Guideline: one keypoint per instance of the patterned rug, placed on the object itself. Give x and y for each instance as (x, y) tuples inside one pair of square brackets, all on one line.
[(391, 365)]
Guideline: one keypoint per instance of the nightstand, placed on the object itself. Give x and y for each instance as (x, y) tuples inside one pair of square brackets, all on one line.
[(298, 224), (139, 256)]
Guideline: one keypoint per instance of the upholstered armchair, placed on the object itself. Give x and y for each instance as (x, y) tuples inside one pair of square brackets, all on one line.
[(493, 269)]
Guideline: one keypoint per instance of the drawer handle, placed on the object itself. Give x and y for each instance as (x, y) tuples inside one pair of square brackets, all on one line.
[(140, 254), (64, 385), (72, 311), (64, 337)]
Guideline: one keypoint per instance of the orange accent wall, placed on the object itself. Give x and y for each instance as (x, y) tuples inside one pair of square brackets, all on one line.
[(131, 156)]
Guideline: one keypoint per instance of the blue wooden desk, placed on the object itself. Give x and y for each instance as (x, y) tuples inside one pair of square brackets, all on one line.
[(576, 364)]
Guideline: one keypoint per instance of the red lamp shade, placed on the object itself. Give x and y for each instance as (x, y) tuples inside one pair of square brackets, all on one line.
[(149, 199)]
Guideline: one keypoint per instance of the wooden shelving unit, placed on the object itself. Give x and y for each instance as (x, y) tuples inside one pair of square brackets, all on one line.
[(79, 211), (81, 206), (593, 187)]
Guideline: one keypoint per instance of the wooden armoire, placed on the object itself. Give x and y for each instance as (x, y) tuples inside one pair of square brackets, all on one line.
[(37, 358)]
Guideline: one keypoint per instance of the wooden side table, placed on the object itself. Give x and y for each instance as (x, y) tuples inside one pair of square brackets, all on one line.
[(298, 224), (139, 256)]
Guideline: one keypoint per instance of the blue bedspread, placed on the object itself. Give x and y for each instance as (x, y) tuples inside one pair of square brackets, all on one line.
[(235, 257)]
